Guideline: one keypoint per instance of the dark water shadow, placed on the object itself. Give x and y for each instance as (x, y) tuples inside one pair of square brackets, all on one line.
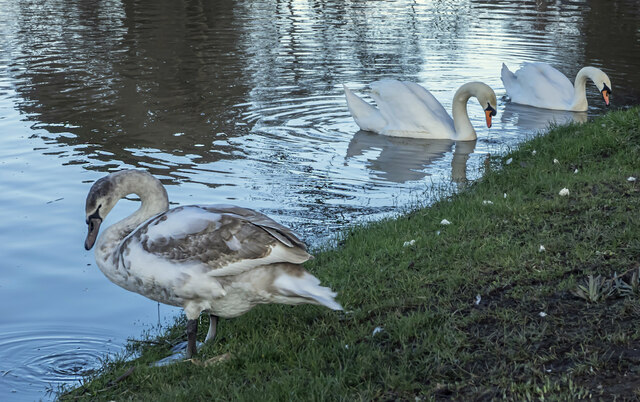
[(150, 84), (400, 159), (535, 119)]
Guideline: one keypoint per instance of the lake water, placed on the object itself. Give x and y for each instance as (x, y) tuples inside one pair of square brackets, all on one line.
[(240, 102)]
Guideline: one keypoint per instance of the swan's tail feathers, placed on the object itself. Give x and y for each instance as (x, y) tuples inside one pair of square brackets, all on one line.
[(307, 287), (367, 117), (508, 78)]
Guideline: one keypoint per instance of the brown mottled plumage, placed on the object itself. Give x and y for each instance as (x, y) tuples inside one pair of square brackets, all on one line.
[(256, 233)]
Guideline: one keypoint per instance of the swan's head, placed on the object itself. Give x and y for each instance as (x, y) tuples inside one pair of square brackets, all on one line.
[(102, 197), (487, 99), (605, 87), (107, 191), (601, 80), (489, 111), (100, 201)]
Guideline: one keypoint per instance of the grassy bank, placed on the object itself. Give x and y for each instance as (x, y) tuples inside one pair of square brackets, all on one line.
[(473, 309)]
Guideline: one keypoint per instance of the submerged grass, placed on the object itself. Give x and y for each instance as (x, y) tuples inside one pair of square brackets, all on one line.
[(472, 310)]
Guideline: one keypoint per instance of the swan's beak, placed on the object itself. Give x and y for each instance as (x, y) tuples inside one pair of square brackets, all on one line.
[(94, 227), (605, 94), (488, 112)]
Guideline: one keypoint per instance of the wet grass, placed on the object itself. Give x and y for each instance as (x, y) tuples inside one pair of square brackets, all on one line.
[(472, 310)]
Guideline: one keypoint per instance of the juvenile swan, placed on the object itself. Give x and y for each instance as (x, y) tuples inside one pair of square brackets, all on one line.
[(406, 109), (540, 85), (219, 259)]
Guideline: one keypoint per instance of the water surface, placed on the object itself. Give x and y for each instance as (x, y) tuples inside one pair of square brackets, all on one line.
[(240, 102)]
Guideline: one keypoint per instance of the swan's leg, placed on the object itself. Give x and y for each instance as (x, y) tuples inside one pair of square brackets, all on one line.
[(192, 330), (213, 324)]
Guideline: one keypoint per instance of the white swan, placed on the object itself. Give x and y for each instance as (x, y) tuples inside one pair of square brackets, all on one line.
[(406, 109), (540, 85), (220, 259)]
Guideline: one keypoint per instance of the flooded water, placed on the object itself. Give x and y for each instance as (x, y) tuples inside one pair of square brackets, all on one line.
[(240, 102)]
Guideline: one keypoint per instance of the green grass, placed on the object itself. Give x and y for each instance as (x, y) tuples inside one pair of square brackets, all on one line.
[(436, 342)]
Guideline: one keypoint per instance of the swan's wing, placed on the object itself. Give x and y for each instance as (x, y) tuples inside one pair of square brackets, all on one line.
[(509, 80), (539, 84), (408, 106), (221, 239), (367, 117), (560, 82)]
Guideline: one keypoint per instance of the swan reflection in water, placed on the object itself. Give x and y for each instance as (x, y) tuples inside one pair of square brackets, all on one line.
[(402, 159), (534, 118)]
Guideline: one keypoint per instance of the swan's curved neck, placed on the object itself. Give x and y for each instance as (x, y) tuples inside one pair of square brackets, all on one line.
[(461, 122), (580, 90), (153, 199)]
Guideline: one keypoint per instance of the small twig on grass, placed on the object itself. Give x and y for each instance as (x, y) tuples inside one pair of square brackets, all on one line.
[(115, 382)]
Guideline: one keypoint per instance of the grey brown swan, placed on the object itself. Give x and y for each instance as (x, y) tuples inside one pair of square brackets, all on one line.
[(218, 259)]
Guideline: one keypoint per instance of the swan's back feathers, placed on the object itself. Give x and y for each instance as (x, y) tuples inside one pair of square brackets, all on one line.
[(555, 78), (538, 84), (224, 240), (394, 96), (408, 107), (278, 231)]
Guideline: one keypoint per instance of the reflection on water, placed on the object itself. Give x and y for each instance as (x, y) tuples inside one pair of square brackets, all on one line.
[(536, 119), (242, 102), (136, 82), (399, 160)]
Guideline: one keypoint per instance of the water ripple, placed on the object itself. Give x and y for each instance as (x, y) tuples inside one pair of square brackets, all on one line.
[(46, 357)]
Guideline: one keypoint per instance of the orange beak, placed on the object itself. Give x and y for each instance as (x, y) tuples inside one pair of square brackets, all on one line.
[(606, 91), (605, 96), (488, 112)]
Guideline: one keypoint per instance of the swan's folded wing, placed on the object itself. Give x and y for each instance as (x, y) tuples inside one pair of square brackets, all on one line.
[(429, 100), (509, 80), (224, 240), (544, 83), (408, 106), (278, 231), (367, 117)]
